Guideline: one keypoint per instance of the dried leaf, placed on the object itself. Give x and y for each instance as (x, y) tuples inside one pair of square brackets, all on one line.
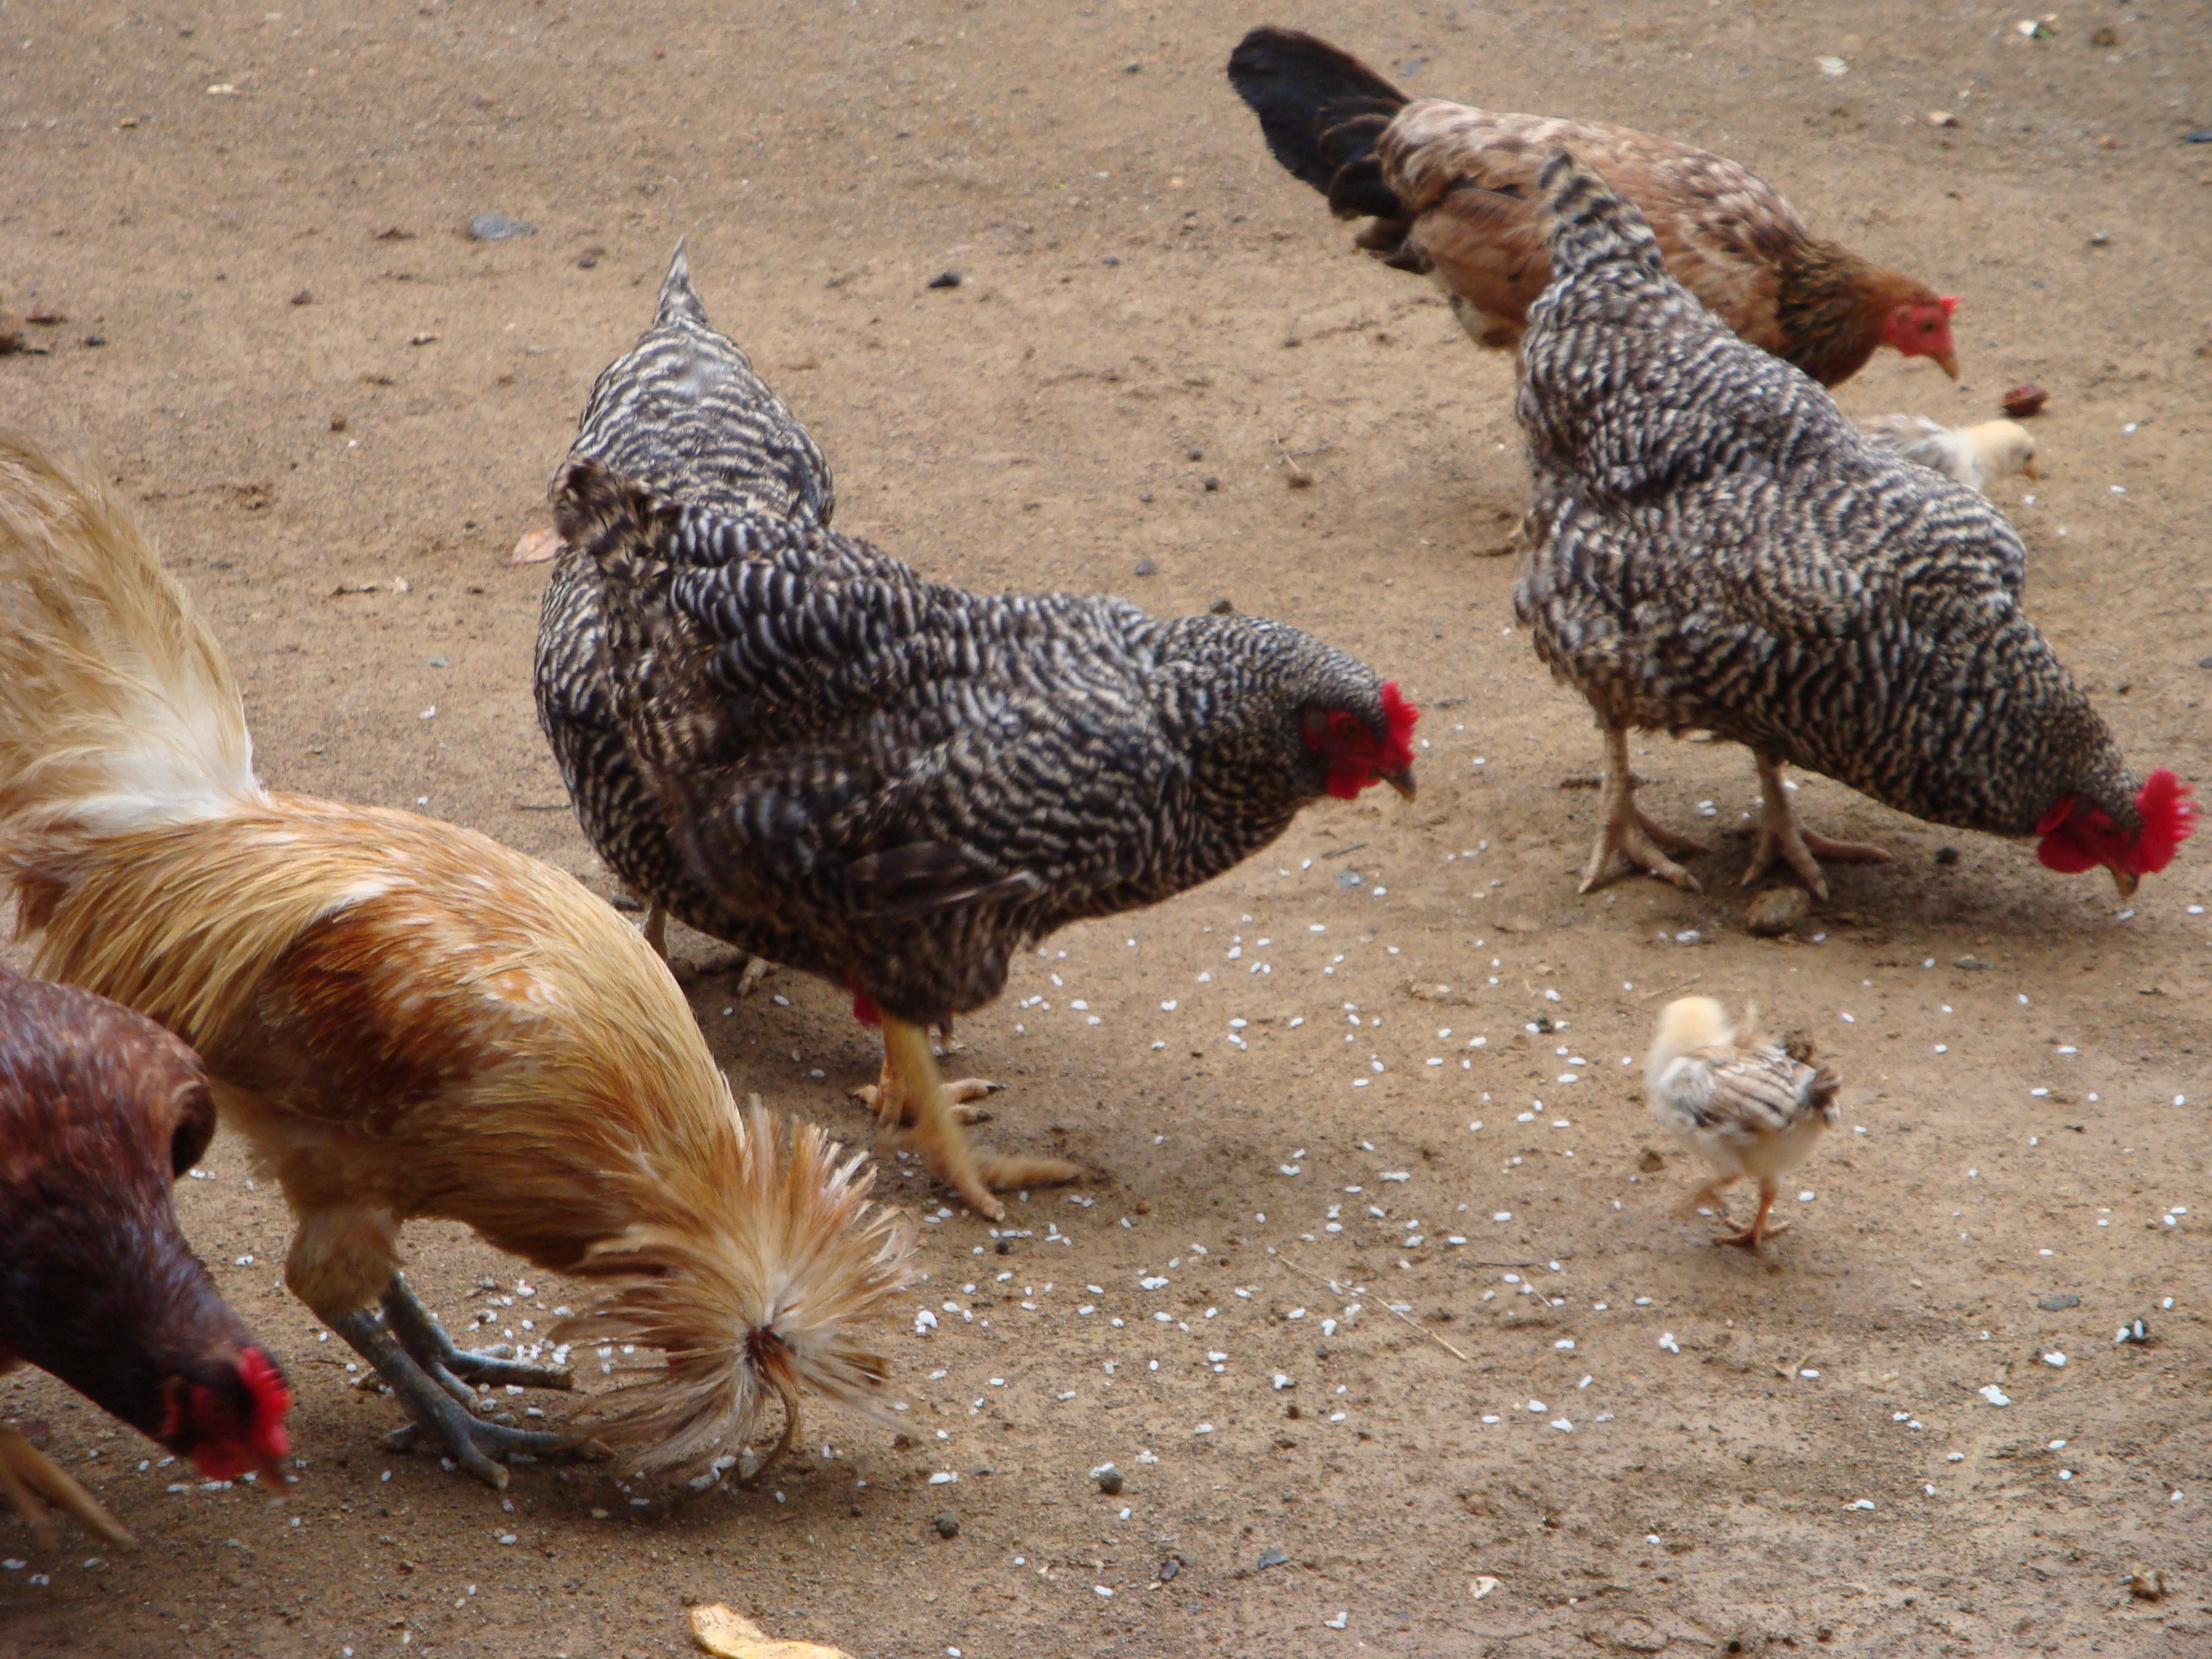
[(730, 1635), (536, 548)]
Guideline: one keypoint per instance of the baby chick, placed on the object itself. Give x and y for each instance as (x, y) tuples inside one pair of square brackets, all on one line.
[(1975, 456), (1740, 1100)]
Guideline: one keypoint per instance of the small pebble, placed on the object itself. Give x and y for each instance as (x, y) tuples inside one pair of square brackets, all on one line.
[(948, 1525), (1972, 964), (1777, 911), (496, 227), (1146, 567), (944, 279), (1109, 1482)]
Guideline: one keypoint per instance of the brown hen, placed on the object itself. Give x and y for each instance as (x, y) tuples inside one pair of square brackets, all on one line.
[(100, 1110), (1452, 193)]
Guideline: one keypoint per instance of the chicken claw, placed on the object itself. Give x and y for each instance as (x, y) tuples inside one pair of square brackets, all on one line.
[(1628, 832), (418, 1331), (436, 1403), (913, 1096), (1761, 1227), (1780, 835), (30, 1480)]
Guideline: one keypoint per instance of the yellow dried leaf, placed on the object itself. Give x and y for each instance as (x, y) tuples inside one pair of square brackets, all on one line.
[(730, 1635)]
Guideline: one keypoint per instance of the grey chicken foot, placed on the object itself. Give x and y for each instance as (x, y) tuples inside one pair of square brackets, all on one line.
[(1780, 835), (436, 1404), (1627, 832), (418, 1332)]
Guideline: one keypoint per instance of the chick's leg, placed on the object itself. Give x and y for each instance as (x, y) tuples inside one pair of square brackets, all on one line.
[(914, 1096), (1707, 1197), (1780, 835), (1761, 1225), (1628, 832), (30, 1480), (418, 1332)]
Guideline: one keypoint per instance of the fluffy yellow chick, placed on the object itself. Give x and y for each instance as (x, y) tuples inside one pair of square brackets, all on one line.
[(1739, 1101), (1975, 456)]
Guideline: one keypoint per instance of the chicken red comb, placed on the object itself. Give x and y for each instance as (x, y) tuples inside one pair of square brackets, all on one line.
[(1401, 714), (265, 1386), (1949, 302), (2167, 821)]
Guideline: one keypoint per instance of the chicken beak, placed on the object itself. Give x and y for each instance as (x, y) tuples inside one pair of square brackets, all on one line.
[(2125, 880), (1402, 782), (1948, 361), (2028, 469)]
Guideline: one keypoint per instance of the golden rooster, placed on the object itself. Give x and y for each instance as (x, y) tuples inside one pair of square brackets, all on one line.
[(406, 1018)]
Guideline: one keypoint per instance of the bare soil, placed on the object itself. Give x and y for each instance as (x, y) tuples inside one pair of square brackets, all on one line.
[(320, 389)]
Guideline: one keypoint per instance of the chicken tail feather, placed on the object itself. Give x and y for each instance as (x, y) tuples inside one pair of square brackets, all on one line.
[(767, 1299), (118, 711), (1590, 224), (1322, 112)]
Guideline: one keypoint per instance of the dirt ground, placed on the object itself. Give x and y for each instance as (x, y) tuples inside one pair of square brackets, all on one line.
[(1409, 1319)]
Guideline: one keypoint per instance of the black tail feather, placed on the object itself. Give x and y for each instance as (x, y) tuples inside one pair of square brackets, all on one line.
[(1322, 110)]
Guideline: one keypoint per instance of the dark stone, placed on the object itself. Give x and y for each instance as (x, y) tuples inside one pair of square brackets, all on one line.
[(948, 1525), (944, 279)]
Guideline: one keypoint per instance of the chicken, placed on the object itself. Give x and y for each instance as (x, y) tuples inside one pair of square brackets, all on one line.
[(793, 743), (1975, 456), (100, 1110), (1452, 192), (1711, 545), (1743, 1103), (406, 1018)]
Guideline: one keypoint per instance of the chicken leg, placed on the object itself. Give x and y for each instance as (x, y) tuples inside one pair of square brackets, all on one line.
[(30, 1480), (419, 1331), (1761, 1227), (1627, 831), (1780, 835), (435, 1398), (753, 970), (912, 1096)]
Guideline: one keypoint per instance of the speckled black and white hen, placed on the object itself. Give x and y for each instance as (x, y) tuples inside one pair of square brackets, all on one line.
[(1712, 545), (890, 782), (684, 413)]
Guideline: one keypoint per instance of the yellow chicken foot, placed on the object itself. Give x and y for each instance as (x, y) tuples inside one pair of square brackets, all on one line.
[(30, 1480), (436, 1408), (1761, 1227), (913, 1097), (1628, 832), (1780, 835)]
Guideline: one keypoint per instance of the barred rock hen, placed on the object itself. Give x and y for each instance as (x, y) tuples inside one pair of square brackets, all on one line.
[(795, 744), (1452, 193), (406, 1018), (1712, 543), (1739, 1101), (100, 1110)]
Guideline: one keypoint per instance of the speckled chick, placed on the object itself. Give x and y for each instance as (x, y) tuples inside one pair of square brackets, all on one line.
[(1739, 1101)]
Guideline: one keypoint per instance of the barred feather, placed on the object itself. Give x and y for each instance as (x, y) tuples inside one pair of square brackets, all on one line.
[(793, 742), (1712, 545)]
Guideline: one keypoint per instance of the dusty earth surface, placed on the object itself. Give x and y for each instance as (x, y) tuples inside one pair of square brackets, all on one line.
[(1411, 1319)]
